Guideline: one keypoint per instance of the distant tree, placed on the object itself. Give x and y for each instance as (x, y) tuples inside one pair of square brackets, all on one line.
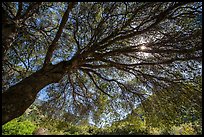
[(80, 51), (173, 106)]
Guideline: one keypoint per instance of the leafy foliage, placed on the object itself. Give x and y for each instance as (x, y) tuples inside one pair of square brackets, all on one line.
[(134, 124), (175, 108), (16, 127)]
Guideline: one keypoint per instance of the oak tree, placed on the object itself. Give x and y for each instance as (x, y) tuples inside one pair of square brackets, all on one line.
[(91, 56)]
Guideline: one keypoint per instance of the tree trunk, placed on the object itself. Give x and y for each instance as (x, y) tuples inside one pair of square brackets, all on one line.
[(20, 96)]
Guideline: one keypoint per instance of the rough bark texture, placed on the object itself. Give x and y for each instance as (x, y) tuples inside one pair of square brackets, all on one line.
[(20, 96)]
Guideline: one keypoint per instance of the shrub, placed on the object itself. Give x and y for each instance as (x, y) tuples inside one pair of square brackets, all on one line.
[(15, 127), (188, 129)]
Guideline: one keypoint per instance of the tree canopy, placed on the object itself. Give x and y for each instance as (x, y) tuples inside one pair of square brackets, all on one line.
[(100, 58)]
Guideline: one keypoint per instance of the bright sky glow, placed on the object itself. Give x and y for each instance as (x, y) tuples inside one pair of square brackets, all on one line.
[(143, 48), (145, 54)]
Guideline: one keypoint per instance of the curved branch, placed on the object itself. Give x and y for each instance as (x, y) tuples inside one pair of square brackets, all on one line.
[(96, 85), (110, 80)]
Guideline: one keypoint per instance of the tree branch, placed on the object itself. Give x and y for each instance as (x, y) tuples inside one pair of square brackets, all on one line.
[(96, 85), (110, 80), (30, 10), (20, 7), (52, 47)]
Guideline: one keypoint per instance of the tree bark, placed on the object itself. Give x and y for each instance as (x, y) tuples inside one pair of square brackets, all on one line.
[(20, 96)]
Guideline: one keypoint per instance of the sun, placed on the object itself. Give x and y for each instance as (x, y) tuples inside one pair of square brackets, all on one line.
[(143, 53), (142, 47)]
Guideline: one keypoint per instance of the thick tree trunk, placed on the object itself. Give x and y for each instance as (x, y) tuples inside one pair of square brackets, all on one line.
[(20, 96)]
